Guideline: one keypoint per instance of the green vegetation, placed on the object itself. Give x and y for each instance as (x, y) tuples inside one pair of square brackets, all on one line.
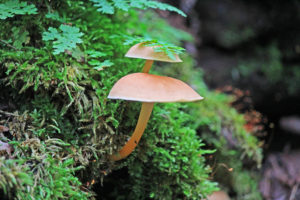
[(222, 128), (59, 60), (269, 64)]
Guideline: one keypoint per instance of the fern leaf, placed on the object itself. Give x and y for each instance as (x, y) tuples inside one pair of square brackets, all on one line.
[(100, 65), (159, 46), (14, 7), (104, 6), (95, 54), (19, 37), (121, 4), (51, 34), (108, 7), (55, 16), (65, 39), (144, 4)]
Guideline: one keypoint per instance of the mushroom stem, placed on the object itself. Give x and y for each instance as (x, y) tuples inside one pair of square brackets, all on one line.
[(137, 134), (147, 66)]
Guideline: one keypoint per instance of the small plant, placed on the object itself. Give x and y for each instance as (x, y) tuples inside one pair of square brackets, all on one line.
[(65, 39), (108, 7), (14, 7)]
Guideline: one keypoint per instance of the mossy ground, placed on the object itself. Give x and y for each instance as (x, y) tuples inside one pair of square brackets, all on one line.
[(62, 127)]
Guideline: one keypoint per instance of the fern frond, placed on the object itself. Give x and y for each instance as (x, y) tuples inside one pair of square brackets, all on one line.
[(121, 4), (159, 46), (144, 4), (104, 6), (65, 39), (14, 7), (108, 7)]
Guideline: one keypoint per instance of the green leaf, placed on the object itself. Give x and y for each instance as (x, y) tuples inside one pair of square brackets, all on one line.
[(95, 54), (152, 195), (159, 46), (108, 7), (104, 6), (100, 65), (144, 4), (51, 34), (54, 16), (20, 37), (65, 39), (14, 7), (121, 4)]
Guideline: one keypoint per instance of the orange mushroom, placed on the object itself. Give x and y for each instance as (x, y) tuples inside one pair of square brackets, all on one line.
[(148, 88), (141, 51), (218, 195)]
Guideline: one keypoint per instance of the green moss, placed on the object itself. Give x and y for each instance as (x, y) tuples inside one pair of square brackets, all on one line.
[(172, 156), (222, 128), (270, 65), (64, 127)]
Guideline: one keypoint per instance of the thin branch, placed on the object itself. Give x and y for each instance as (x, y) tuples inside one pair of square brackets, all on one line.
[(8, 113), (294, 191), (7, 44)]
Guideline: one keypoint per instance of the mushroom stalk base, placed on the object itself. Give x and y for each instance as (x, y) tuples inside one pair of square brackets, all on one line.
[(137, 134)]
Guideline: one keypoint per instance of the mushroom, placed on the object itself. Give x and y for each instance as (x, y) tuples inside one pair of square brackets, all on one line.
[(141, 51), (148, 89), (218, 195)]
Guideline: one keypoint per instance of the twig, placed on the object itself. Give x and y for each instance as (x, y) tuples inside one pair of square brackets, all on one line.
[(8, 113), (7, 44), (294, 190)]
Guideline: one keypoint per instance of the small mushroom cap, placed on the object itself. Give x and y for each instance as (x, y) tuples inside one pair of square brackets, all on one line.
[(218, 195), (148, 53), (146, 87)]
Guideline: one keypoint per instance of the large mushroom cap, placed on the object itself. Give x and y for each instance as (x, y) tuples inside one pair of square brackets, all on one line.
[(146, 87), (148, 53)]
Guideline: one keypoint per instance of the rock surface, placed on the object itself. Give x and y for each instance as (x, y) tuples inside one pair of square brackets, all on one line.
[(281, 177), (290, 124)]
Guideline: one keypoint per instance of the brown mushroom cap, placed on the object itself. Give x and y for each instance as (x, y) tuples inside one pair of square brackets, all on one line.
[(146, 87), (218, 195), (148, 53)]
